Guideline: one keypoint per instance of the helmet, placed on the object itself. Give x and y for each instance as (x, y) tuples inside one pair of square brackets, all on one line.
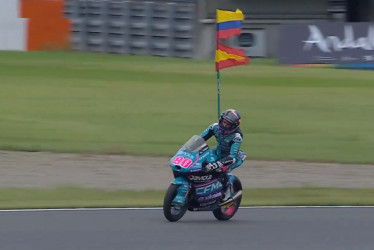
[(229, 121)]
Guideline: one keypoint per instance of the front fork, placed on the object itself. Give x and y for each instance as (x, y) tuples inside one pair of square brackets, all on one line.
[(184, 187)]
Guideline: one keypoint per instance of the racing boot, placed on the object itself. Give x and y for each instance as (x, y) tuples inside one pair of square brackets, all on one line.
[(227, 194), (226, 189)]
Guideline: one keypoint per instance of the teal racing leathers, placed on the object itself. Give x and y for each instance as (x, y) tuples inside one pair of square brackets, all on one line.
[(227, 150), (228, 146)]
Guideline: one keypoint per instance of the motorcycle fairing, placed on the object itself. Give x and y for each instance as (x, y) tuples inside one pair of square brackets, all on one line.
[(203, 189), (206, 194)]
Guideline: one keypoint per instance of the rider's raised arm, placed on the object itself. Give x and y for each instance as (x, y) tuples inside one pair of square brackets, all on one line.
[(209, 132)]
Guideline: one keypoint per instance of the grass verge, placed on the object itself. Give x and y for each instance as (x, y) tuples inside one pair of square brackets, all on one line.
[(74, 197), (97, 103)]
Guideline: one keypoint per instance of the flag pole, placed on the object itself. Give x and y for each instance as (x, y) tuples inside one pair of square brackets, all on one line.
[(228, 24), (218, 94), (218, 75)]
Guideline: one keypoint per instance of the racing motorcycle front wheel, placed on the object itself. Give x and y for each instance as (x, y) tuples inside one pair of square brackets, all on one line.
[(173, 212)]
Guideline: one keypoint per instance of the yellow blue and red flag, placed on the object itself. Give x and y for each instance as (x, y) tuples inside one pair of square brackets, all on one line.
[(229, 23)]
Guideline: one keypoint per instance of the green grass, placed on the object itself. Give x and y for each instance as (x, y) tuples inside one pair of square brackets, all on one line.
[(17, 198), (82, 102)]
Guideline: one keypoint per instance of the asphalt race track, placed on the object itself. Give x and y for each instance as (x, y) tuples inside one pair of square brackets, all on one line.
[(251, 228)]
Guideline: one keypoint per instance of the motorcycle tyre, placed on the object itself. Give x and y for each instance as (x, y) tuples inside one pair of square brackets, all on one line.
[(169, 196), (237, 185)]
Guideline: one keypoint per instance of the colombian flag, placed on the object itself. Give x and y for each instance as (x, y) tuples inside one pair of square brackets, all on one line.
[(229, 23), (228, 57)]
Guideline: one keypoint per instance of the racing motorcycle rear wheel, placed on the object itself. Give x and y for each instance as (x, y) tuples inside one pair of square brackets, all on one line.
[(173, 212), (228, 211)]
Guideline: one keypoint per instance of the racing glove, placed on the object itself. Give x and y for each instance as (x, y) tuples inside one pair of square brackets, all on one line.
[(214, 167), (219, 166)]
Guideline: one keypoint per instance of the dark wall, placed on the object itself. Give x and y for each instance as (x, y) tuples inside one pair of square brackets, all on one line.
[(360, 10), (267, 7)]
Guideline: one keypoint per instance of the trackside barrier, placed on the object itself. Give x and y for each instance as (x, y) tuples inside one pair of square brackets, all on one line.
[(339, 44), (33, 25), (47, 28), (132, 27), (12, 28)]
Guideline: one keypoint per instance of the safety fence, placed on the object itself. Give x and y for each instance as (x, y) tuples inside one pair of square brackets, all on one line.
[(133, 27)]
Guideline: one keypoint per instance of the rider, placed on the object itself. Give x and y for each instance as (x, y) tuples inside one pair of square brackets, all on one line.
[(229, 138)]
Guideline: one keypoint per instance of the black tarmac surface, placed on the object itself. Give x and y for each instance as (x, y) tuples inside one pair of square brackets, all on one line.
[(251, 228)]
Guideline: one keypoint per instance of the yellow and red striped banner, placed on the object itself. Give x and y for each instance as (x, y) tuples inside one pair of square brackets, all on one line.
[(228, 57)]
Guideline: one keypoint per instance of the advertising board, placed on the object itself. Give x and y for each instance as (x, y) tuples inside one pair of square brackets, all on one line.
[(327, 43)]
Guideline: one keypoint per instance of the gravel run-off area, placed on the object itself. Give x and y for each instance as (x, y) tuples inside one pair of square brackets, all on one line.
[(119, 172)]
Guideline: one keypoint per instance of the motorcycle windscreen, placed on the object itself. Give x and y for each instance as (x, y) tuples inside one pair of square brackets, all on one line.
[(194, 144)]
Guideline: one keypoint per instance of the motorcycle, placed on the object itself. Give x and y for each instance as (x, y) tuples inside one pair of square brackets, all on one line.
[(202, 191)]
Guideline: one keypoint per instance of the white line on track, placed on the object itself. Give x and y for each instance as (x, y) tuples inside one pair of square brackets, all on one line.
[(159, 208)]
